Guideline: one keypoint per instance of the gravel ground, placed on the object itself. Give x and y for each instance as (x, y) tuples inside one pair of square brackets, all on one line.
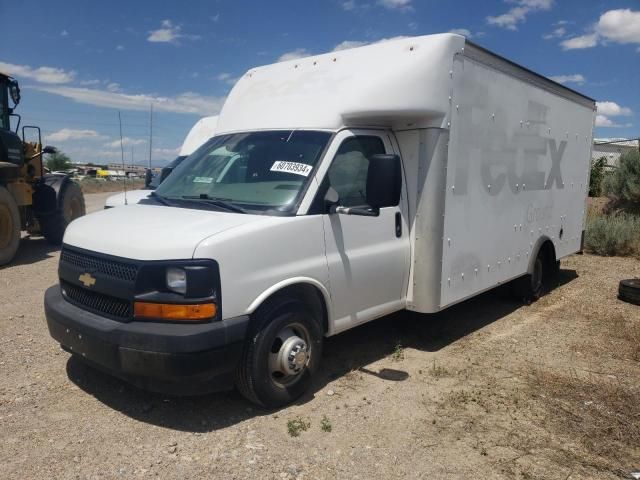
[(488, 389)]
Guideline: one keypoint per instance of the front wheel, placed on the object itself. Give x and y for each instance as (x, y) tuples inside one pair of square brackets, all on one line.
[(281, 355)]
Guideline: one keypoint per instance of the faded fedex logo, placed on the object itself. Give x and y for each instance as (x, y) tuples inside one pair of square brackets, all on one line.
[(500, 148), (495, 176)]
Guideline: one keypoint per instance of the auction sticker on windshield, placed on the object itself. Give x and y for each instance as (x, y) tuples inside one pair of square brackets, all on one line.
[(292, 167), (202, 180)]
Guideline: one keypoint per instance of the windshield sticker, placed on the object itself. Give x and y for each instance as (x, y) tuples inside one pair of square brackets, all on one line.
[(292, 167), (203, 180)]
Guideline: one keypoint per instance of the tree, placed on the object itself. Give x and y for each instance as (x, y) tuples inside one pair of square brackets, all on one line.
[(624, 182), (597, 174), (58, 161)]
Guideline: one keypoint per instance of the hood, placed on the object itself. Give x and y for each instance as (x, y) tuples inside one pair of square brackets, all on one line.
[(133, 197), (149, 232)]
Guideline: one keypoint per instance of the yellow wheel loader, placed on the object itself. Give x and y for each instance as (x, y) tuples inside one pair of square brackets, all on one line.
[(30, 199)]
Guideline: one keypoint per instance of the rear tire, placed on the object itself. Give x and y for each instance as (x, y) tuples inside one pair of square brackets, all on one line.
[(534, 285), (10, 226), (71, 206), (281, 353)]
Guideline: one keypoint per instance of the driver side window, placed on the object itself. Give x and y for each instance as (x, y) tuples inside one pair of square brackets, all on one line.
[(348, 171)]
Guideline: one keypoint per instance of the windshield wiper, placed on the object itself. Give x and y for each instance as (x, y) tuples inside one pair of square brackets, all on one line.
[(216, 202)]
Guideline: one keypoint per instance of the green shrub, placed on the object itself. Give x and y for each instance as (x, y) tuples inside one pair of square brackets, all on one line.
[(595, 179), (624, 182), (616, 234)]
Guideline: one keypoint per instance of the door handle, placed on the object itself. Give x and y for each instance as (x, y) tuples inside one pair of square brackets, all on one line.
[(398, 224)]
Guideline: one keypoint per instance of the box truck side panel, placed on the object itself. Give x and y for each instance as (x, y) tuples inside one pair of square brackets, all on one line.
[(517, 173)]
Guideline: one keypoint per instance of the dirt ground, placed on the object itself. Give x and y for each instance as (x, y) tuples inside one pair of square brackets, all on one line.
[(488, 389)]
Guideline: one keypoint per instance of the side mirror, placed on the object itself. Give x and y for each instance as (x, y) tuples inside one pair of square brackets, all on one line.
[(49, 149), (148, 176), (384, 181)]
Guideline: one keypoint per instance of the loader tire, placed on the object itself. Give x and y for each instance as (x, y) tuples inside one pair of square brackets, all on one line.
[(9, 226), (629, 291), (70, 206)]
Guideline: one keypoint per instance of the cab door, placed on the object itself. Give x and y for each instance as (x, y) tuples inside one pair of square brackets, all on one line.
[(367, 256)]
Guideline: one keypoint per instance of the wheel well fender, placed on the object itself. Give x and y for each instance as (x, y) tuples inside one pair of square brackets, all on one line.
[(312, 292), (47, 196), (545, 244)]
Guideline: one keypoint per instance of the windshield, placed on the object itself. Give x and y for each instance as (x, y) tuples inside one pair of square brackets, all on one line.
[(155, 181), (256, 171)]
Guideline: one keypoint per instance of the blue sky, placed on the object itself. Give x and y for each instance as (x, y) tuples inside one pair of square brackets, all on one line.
[(79, 62)]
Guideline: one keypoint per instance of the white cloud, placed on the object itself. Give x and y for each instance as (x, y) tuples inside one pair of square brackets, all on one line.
[(583, 41), (612, 109), (64, 33), (604, 121), (402, 5), (622, 26), (619, 26), (40, 74), (126, 142), (188, 102), (461, 31), (67, 134), (227, 78), (89, 82), (518, 14), (215, 18), (349, 5), (556, 33), (575, 78), (166, 152), (347, 44), (356, 43), (167, 33), (113, 87), (294, 54), (120, 47)]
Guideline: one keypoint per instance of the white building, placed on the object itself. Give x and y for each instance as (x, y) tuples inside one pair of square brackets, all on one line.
[(612, 149)]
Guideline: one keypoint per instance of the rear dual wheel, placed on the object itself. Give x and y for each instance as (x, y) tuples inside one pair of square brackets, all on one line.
[(10, 226), (281, 354), (534, 285)]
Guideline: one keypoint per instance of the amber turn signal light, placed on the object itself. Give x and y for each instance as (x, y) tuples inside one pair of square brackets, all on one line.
[(169, 311)]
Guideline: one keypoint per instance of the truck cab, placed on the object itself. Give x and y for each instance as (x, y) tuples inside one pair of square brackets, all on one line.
[(364, 195)]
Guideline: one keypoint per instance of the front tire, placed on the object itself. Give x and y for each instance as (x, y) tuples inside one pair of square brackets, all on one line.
[(10, 226), (71, 206), (281, 354)]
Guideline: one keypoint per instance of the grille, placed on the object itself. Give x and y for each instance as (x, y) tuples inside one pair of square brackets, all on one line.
[(98, 302), (112, 268)]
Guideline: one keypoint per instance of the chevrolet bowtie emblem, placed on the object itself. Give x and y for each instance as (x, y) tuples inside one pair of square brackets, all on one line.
[(87, 280)]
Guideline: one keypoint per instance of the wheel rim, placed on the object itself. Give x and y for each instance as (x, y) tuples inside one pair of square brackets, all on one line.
[(73, 209), (536, 278), (289, 355), (6, 226)]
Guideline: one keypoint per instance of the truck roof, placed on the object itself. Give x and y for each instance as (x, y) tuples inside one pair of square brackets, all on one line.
[(401, 83)]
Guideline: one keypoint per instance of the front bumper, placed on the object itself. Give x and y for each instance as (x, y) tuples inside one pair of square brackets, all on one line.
[(179, 359)]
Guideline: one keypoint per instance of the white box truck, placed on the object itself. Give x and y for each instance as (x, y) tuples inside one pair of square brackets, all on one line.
[(411, 174)]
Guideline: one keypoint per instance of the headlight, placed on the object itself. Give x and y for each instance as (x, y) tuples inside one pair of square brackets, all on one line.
[(177, 280)]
